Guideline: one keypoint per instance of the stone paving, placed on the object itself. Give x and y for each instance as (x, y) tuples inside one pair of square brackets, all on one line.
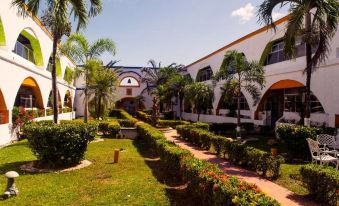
[(281, 194)]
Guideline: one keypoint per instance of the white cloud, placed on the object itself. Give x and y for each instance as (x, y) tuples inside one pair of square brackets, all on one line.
[(245, 13), (278, 15)]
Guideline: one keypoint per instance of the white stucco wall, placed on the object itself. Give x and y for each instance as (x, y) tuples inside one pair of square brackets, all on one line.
[(15, 68)]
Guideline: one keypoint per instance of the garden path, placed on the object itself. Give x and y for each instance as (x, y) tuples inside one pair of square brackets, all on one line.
[(279, 193)]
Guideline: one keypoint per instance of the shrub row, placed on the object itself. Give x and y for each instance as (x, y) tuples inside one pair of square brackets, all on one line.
[(109, 128), (295, 137), (171, 123), (254, 159), (205, 180), (322, 182), (59, 144), (144, 116), (125, 119)]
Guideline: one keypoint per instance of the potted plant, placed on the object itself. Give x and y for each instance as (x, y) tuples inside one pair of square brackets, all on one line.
[(273, 143)]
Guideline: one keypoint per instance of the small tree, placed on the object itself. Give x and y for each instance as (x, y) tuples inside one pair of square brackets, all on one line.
[(200, 95), (176, 85), (239, 74), (103, 87), (78, 47)]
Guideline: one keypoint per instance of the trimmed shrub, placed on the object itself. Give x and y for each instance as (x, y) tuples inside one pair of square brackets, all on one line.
[(109, 128), (144, 117), (205, 180), (171, 123), (59, 145), (125, 119), (254, 159), (295, 137), (201, 125), (226, 128), (322, 182)]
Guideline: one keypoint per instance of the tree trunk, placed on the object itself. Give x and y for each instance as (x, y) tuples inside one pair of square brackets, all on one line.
[(198, 116), (54, 82), (99, 106), (308, 72), (180, 108), (238, 114), (86, 99)]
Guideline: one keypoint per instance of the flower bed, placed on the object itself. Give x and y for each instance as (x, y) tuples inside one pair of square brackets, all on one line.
[(205, 180), (322, 182), (254, 159)]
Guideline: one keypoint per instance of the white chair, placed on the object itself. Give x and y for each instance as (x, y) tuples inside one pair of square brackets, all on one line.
[(320, 155), (328, 143)]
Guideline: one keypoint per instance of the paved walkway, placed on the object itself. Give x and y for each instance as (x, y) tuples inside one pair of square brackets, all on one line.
[(281, 194)]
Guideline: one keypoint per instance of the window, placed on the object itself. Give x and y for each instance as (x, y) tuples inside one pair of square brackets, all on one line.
[(129, 82), (204, 74), (233, 105), (129, 92), (294, 100), (24, 49), (277, 52)]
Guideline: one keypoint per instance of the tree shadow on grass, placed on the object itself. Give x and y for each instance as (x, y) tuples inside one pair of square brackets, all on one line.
[(176, 189), (14, 166)]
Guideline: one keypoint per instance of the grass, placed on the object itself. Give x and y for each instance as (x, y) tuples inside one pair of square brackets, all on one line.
[(136, 180)]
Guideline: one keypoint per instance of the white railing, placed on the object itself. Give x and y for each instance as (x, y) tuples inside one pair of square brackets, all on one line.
[(24, 51)]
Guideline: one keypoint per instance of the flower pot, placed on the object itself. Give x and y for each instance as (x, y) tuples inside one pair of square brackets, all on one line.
[(274, 151)]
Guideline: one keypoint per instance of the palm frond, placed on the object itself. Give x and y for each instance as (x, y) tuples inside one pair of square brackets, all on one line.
[(101, 46)]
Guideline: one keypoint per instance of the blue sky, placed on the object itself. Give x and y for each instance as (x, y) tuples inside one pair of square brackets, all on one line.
[(167, 31)]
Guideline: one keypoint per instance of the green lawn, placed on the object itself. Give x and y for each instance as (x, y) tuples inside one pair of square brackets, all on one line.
[(136, 180)]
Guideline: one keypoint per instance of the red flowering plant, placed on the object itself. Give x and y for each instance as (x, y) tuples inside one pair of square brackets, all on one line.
[(20, 117)]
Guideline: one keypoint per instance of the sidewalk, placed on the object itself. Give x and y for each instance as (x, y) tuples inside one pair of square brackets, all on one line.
[(281, 194)]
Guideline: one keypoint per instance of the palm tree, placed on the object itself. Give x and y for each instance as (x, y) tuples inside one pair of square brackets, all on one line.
[(103, 87), (200, 95), (315, 21), (78, 47), (239, 74), (176, 85), (57, 21)]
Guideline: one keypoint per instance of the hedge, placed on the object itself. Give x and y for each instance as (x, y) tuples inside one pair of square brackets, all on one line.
[(125, 119), (109, 128), (322, 182), (59, 145), (254, 159), (205, 180), (171, 123), (144, 117), (295, 137)]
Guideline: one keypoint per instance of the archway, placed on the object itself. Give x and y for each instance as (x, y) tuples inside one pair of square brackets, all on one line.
[(28, 47), (231, 106), (286, 99), (68, 103), (129, 81), (130, 104), (49, 110), (2, 34), (29, 99), (4, 119), (57, 64), (204, 74)]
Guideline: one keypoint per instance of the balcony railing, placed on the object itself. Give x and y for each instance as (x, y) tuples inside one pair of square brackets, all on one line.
[(23, 51)]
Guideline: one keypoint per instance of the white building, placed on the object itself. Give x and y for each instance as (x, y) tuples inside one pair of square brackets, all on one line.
[(285, 81), (25, 50)]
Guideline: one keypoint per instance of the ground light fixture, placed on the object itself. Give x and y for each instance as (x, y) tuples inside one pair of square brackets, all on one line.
[(11, 189)]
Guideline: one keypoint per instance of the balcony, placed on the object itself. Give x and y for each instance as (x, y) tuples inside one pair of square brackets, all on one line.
[(24, 51)]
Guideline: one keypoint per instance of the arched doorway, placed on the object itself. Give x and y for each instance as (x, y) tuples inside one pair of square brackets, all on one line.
[(29, 99), (68, 103), (4, 119), (130, 104), (286, 99), (49, 110)]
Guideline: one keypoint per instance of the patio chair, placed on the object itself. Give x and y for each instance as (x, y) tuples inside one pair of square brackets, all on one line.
[(321, 155), (327, 142)]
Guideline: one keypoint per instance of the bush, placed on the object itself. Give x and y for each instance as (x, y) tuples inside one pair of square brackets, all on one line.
[(226, 128), (109, 128), (295, 137), (125, 119), (205, 180), (59, 145), (201, 125), (144, 117), (171, 123), (322, 182), (168, 115), (257, 160), (66, 110)]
